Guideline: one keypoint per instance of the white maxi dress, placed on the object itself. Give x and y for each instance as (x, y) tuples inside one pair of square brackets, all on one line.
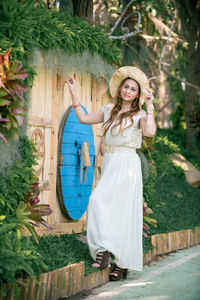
[(115, 211)]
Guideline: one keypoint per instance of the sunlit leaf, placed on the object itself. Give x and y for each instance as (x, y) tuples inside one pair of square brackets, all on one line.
[(12, 91), (4, 102), (3, 138)]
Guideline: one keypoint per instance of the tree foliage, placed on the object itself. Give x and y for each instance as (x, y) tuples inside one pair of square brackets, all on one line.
[(47, 29)]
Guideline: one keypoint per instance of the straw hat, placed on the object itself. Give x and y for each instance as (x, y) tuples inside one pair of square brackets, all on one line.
[(131, 72)]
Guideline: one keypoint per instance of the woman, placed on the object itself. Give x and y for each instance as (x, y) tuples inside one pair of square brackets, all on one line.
[(115, 211)]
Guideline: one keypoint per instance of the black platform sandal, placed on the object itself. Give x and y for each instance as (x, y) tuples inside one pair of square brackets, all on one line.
[(102, 260), (118, 273)]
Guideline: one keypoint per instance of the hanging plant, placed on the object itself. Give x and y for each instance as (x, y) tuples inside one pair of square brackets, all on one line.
[(147, 220), (12, 101)]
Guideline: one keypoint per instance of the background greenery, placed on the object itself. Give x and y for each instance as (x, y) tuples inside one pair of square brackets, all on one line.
[(174, 201)]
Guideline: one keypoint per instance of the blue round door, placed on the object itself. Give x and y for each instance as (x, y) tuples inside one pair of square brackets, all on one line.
[(75, 170)]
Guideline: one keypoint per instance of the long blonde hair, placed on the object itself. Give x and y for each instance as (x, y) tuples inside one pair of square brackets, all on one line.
[(125, 115)]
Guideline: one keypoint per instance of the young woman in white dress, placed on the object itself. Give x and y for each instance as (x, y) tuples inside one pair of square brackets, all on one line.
[(115, 211)]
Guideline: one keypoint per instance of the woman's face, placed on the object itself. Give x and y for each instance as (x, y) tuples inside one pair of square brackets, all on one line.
[(129, 90)]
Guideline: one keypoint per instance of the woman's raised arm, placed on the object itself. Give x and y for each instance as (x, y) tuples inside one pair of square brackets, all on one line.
[(148, 124), (90, 118)]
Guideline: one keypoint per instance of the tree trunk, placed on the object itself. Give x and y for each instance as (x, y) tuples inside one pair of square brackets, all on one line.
[(83, 9), (188, 12), (66, 6), (192, 75)]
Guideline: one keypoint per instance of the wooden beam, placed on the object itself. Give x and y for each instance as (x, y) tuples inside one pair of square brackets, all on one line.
[(37, 121), (86, 156), (62, 228)]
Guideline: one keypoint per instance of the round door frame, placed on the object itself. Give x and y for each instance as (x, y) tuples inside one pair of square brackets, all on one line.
[(58, 181)]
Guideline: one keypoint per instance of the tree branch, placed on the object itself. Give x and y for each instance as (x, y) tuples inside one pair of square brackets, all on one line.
[(164, 69), (160, 109), (162, 53), (119, 19), (157, 38), (182, 80), (125, 30)]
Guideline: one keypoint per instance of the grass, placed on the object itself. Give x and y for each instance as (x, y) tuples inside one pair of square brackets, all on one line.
[(58, 252), (67, 249)]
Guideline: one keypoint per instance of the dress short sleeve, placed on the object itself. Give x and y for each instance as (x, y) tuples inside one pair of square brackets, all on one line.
[(142, 114), (106, 110)]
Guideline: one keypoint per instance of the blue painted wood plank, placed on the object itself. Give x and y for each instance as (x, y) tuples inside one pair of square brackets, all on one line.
[(74, 160), (76, 214), (74, 180), (72, 149), (73, 116), (78, 127), (66, 170), (69, 192), (74, 203), (70, 160), (71, 170), (77, 137)]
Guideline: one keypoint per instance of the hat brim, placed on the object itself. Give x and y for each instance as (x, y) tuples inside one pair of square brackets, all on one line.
[(129, 72)]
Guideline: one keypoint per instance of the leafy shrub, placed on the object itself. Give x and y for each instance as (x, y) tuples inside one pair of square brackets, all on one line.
[(178, 137), (19, 209), (19, 256), (175, 203), (19, 191), (12, 104)]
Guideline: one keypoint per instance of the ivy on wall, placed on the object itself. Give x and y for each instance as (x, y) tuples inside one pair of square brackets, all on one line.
[(25, 27)]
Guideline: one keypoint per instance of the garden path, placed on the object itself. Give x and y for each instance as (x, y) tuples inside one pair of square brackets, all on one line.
[(174, 276)]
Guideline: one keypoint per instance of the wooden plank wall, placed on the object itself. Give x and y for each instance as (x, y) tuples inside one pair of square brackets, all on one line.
[(50, 98)]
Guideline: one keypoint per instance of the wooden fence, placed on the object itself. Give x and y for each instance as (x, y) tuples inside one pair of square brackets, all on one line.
[(50, 98)]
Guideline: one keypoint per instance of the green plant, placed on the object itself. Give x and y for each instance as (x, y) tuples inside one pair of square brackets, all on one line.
[(30, 213), (12, 104), (20, 192), (19, 208), (147, 220), (19, 256)]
